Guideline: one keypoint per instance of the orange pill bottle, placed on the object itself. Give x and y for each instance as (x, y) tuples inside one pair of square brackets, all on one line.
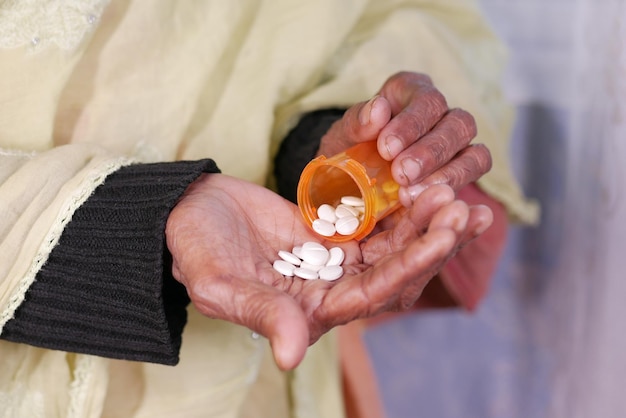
[(358, 171)]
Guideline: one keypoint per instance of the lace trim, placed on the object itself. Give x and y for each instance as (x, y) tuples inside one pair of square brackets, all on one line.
[(53, 236), (41, 24)]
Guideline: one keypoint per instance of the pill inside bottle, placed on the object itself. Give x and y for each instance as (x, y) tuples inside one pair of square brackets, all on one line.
[(359, 173)]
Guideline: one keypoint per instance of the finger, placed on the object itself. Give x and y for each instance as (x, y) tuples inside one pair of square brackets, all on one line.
[(288, 333), (397, 263), (480, 219), (466, 222), (433, 150), (416, 106), (361, 122), (453, 216), (379, 289), (259, 307), (410, 226), (466, 167)]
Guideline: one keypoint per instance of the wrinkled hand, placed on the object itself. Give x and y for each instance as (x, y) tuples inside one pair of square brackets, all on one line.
[(427, 142), (225, 233)]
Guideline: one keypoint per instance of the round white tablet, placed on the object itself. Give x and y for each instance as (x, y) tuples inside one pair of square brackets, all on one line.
[(327, 213), (331, 273), (305, 273), (347, 225), (310, 266), (297, 251), (345, 210), (289, 257), (352, 201), (314, 253), (324, 228), (336, 257), (284, 268)]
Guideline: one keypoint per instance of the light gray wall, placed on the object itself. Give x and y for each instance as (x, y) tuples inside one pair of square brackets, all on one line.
[(550, 340)]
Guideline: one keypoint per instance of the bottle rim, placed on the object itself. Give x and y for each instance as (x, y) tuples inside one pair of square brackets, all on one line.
[(357, 173)]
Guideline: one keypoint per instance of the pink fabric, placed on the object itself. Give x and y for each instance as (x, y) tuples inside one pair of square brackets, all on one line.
[(464, 282)]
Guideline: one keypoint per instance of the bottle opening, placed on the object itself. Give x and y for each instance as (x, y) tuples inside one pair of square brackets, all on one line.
[(357, 172), (326, 184), (329, 184)]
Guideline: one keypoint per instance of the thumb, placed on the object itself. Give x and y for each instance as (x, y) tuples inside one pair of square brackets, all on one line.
[(261, 308), (287, 330), (361, 123)]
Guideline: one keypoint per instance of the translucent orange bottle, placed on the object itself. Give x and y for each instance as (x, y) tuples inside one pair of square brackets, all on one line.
[(358, 171)]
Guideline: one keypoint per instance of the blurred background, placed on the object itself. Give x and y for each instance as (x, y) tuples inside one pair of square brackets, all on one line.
[(550, 339)]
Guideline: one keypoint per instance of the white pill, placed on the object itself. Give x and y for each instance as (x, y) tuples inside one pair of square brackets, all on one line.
[(297, 251), (305, 273), (347, 225), (314, 253), (324, 228), (284, 268), (352, 201), (289, 257), (336, 257), (327, 213), (331, 273), (344, 210), (310, 266)]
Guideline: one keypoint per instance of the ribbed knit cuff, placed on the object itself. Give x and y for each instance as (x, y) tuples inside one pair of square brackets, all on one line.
[(299, 147), (107, 287)]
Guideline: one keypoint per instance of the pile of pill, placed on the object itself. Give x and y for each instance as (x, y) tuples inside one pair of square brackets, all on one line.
[(343, 219), (311, 261)]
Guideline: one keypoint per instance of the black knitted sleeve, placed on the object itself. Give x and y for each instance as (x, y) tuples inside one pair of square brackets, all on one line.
[(107, 287), (299, 147)]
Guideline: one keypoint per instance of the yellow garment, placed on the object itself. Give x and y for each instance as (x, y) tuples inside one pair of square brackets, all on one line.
[(88, 86)]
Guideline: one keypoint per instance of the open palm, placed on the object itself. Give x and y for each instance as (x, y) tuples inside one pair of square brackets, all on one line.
[(225, 233)]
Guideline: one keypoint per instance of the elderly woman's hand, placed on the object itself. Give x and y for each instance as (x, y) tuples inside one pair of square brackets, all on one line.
[(225, 233), (427, 142)]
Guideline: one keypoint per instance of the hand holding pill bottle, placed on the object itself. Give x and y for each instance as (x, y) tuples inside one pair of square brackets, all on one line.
[(357, 179)]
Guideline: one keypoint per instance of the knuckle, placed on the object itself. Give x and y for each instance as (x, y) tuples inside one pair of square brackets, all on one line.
[(464, 123), (418, 78), (404, 82), (435, 101), (438, 151), (400, 75), (410, 76), (457, 174), (481, 157), (407, 300), (457, 177), (465, 174), (469, 168), (396, 82), (415, 124)]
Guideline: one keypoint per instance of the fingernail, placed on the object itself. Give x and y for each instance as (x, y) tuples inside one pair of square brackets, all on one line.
[(411, 169), (394, 146), (482, 228), (366, 111), (485, 224), (415, 191)]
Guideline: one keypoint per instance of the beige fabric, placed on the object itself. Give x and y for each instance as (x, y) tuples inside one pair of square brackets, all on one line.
[(166, 80)]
